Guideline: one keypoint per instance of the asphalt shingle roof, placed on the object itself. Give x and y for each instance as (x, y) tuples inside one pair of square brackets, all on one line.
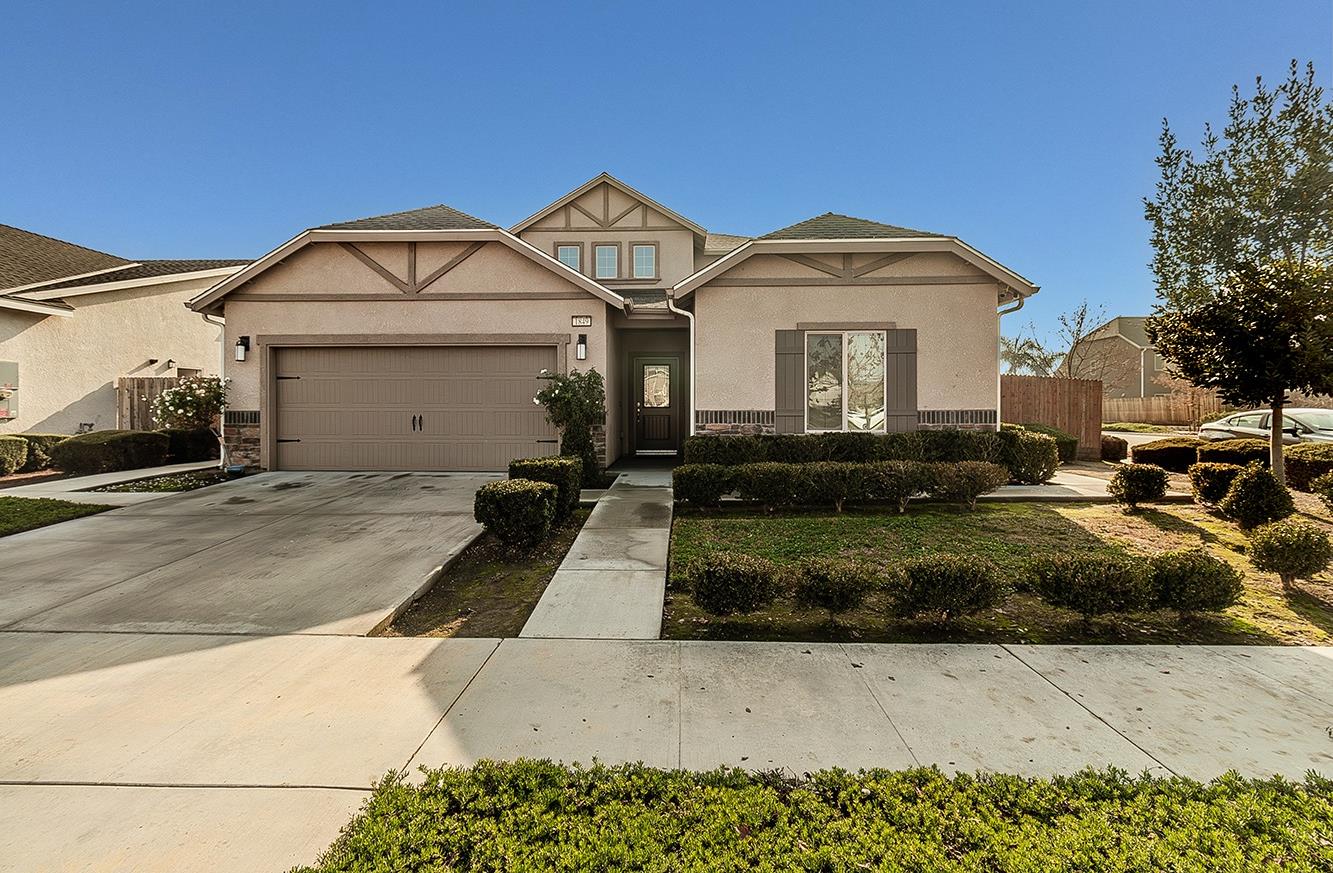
[(831, 225), (438, 217), (723, 242), (148, 270), (27, 258)]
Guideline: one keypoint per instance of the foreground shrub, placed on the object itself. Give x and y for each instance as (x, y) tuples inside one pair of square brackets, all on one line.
[(1306, 462), (1114, 448), (792, 448), (13, 454), (39, 450), (191, 444), (104, 451), (701, 484), (526, 816), (948, 586), (835, 483), (897, 482), (1136, 483), (772, 484), (854, 447), (518, 511), (1030, 457), (946, 445), (1323, 486), (565, 473), (1173, 453), (1092, 584), (1066, 444), (1291, 549), (1195, 581), (726, 583), (965, 481), (1256, 497), (728, 450), (575, 403), (832, 584), (1238, 451), (1210, 482)]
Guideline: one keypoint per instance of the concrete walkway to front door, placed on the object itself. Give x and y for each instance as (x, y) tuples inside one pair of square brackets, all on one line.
[(611, 584)]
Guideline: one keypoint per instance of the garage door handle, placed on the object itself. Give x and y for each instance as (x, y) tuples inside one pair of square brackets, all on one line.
[(548, 441), (287, 441), (414, 424)]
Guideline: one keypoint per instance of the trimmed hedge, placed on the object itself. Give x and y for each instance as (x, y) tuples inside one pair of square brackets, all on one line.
[(1291, 549), (525, 816), (1175, 454), (726, 583), (518, 511), (1093, 584), (1195, 581), (947, 445), (1114, 448), (39, 450), (1306, 462), (1136, 483), (773, 484), (1323, 486), (1030, 457), (836, 482), (13, 453), (184, 446), (897, 482), (1238, 451), (565, 473), (105, 451), (1066, 444), (948, 586), (965, 481), (1210, 482), (1256, 497), (832, 584), (702, 484)]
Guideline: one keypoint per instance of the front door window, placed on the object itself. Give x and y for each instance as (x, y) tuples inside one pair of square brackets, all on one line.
[(656, 386)]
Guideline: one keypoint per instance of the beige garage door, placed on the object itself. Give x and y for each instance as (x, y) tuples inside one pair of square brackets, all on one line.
[(410, 408)]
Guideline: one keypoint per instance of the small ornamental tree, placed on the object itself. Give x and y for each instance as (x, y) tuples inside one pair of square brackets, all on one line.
[(574, 404), (194, 404)]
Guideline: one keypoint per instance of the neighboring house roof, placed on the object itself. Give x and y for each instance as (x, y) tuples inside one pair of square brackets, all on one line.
[(38, 307), (614, 183), (437, 217), (1130, 327), (831, 225), (27, 258), (146, 270), (723, 242)]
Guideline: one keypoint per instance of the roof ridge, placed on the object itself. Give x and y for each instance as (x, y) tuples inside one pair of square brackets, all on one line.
[(65, 242), (857, 227), (450, 211)]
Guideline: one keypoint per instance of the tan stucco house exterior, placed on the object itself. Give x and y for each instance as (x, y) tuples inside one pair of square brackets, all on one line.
[(73, 320), (415, 340)]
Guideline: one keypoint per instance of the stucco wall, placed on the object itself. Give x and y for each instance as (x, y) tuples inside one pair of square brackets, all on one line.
[(68, 366), (675, 250)]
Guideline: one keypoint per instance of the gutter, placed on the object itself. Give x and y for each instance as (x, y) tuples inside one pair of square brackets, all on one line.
[(1000, 313), (222, 373), (689, 316)]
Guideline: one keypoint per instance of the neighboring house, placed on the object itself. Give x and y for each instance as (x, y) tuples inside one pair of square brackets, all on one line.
[(73, 320), (414, 340), (1121, 355)]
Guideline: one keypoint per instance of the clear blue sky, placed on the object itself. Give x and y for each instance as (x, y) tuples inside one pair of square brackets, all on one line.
[(182, 129)]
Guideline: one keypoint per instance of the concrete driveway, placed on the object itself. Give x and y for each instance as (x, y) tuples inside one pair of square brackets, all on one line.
[(308, 553)]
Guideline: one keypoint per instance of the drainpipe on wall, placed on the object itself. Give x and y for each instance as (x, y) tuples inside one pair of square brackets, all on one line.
[(689, 316), (1000, 313), (222, 373)]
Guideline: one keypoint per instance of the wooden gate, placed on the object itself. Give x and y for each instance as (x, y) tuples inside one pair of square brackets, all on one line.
[(1072, 405), (134, 400)]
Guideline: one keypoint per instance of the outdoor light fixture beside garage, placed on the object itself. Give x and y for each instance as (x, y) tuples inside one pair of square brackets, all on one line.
[(581, 348), (242, 346)]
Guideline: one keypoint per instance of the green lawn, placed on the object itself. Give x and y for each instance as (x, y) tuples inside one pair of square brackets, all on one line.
[(18, 514), (539, 816), (1137, 427), (1010, 535)]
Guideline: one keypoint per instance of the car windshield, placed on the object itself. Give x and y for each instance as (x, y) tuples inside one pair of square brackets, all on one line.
[(1319, 419)]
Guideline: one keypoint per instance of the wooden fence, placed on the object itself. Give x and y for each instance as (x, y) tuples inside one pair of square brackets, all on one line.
[(1178, 409), (134, 400), (1072, 405)]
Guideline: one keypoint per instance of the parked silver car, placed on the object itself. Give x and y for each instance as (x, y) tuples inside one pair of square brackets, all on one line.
[(1298, 425)]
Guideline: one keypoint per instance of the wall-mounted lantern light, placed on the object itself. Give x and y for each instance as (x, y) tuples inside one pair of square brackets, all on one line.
[(581, 348), (171, 363), (242, 346)]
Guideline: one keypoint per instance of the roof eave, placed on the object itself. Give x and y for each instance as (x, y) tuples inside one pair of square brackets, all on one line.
[(18, 289), (35, 307), (103, 287)]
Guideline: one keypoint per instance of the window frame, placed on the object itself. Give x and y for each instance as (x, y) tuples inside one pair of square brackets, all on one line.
[(634, 267), (596, 267), (805, 377), (578, 247)]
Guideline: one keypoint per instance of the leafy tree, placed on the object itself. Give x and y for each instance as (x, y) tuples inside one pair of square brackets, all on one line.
[(1242, 236), (1026, 356)]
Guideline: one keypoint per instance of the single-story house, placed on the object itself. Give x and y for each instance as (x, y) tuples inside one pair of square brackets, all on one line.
[(73, 320), (414, 341)]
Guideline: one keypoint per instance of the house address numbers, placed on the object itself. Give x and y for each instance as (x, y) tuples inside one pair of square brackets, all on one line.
[(581, 320)]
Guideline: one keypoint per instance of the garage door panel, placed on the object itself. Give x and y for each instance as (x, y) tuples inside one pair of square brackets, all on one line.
[(354, 407)]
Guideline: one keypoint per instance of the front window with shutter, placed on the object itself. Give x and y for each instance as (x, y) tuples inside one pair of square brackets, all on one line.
[(845, 375)]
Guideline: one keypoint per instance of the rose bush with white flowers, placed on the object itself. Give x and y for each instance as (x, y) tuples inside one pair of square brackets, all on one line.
[(194, 404), (574, 403)]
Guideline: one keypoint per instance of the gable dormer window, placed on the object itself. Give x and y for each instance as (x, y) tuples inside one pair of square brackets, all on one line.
[(569, 254), (606, 261)]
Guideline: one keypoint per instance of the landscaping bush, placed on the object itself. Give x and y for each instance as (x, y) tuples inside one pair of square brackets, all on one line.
[(518, 511), (945, 446), (772, 484), (1092, 584), (565, 473), (791, 448), (835, 482), (948, 586), (576, 403), (1210, 482), (701, 484), (191, 444), (1195, 581), (1136, 483), (726, 583), (1239, 452), (1256, 497), (1066, 444), (832, 584), (731, 451), (1114, 448), (860, 447), (39, 450), (1173, 453), (950, 444), (104, 451), (1030, 457), (1323, 486), (1306, 462), (1291, 549), (965, 481), (13, 454), (897, 482)]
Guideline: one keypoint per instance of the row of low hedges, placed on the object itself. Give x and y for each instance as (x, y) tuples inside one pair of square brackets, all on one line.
[(1304, 462), (1030, 457), (837, 483), (1066, 444), (104, 451), (539, 494)]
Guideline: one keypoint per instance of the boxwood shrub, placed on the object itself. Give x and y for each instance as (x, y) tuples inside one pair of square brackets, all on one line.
[(701, 484), (564, 472), (1210, 482), (13, 454), (1323, 486), (772, 484), (186, 445), (726, 583), (1066, 444), (835, 483), (965, 481), (1092, 584), (1291, 549), (1194, 581), (1306, 462), (1136, 483), (1030, 457), (104, 451), (729, 450), (39, 450), (1114, 448), (833, 584), (518, 511), (1238, 451), (897, 482), (947, 586), (1175, 454), (1256, 497)]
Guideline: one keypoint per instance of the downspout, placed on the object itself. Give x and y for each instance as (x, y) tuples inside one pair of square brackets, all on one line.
[(1000, 313), (222, 373), (689, 316)]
